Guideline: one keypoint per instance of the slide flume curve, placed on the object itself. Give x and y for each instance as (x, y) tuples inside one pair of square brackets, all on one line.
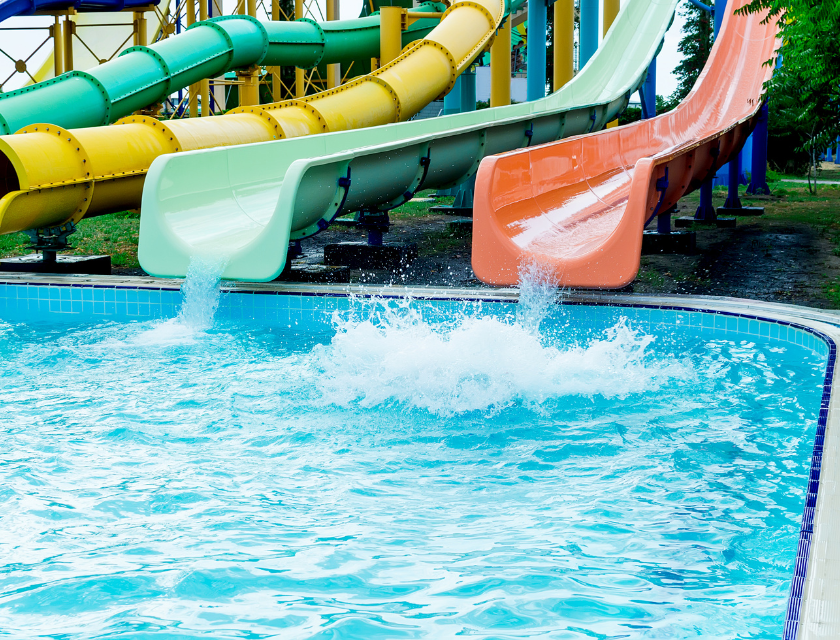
[(578, 207), (50, 175), (248, 202), (144, 75)]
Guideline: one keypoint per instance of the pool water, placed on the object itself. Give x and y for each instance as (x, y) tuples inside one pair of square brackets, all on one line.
[(413, 470)]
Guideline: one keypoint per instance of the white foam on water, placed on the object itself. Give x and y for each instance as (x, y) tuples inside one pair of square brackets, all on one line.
[(393, 356), (201, 294)]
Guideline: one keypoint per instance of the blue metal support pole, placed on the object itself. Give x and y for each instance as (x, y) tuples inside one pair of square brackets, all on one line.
[(837, 155), (706, 210), (468, 90), (647, 93), (588, 30), (746, 160), (452, 100), (537, 17), (719, 12), (758, 172), (452, 105), (663, 222), (732, 199), (465, 192)]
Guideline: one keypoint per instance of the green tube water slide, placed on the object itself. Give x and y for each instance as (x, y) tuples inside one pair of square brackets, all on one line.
[(141, 76), (247, 203)]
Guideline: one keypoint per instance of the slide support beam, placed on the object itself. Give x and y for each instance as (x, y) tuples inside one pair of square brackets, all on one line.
[(732, 199), (334, 70), (611, 8), (648, 93), (300, 78), (537, 17), (564, 42), (588, 31), (58, 46), (205, 84), (500, 67), (758, 174), (390, 34)]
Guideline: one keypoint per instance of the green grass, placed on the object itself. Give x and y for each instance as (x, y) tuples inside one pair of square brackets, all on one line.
[(414, 209), (115, 235)]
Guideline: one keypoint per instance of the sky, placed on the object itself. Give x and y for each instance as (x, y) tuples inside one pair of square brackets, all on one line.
[(19, 44)]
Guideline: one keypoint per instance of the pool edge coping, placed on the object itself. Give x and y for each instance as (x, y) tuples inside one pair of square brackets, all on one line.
[(814, 596)]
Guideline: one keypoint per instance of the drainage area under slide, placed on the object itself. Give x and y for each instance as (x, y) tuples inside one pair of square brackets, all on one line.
[(101, 169), (583, 220), (248, 202)]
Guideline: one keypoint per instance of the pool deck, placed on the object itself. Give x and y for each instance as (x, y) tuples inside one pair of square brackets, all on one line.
[(819, 612)]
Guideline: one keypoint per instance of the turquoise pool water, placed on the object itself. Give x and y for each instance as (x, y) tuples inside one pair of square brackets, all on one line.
[(399, 470)]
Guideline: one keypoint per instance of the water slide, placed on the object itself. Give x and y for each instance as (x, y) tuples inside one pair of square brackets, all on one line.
[(50, 175), (10, 8), (248, 202), (578, 207), (141, 76)]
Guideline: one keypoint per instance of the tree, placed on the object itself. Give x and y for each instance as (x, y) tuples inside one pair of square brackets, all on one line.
[(695, 46), (804, 91)]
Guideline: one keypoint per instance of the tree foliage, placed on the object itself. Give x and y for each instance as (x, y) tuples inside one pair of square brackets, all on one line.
[(805, 90), (695, 46)]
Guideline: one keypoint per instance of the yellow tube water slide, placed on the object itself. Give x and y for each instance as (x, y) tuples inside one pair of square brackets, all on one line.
[(50, 175)]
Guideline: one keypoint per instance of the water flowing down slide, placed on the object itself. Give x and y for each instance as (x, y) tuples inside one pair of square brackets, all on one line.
[(578, 207), (50, 175), (11, 8), (248, 202), (141, 75)]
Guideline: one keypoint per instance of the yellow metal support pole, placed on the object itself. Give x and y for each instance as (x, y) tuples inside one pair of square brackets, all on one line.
[(300, 87), (564, 36), (611, 8), (390, 34), (195, 89), (140, 28), (333, 70), (69, 30), (58, 46), (249, 90), (275, 72), (500, 67), (205, 84)]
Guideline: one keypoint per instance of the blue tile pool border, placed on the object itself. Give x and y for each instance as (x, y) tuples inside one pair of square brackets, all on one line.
[(67, 305)]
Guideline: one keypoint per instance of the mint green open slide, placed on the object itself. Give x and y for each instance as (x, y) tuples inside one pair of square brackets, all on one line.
[(246, 203)]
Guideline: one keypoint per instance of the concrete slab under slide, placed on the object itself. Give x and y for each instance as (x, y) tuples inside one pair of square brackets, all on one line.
[(815, 612)]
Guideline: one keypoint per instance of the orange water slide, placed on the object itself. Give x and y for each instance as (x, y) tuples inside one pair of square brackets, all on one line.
[(578, 207)]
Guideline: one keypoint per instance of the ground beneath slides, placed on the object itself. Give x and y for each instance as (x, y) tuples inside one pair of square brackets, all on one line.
[(791, 254)]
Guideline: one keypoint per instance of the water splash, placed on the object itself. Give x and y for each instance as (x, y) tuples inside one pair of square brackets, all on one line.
[(538, 291), (394, 357), (201, 294)]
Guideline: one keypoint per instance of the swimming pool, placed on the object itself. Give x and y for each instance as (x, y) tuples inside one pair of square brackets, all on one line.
[(334, 466)]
